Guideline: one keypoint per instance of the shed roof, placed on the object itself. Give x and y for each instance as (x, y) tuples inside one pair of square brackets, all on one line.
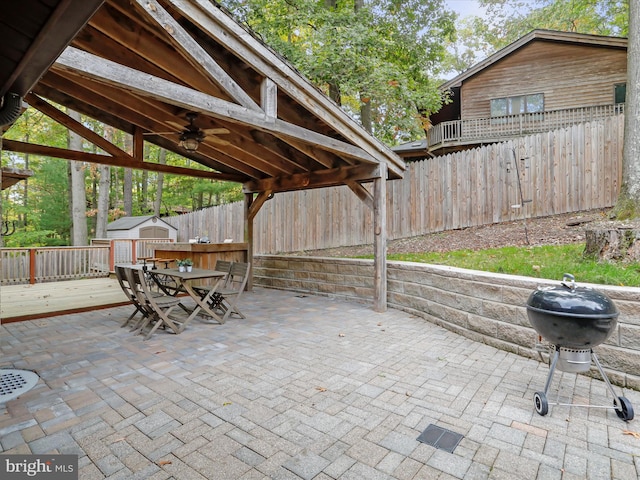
[(533, 36), (129, 223)]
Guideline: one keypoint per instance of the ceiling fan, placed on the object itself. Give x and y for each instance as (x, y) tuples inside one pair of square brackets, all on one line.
[(191, 135)]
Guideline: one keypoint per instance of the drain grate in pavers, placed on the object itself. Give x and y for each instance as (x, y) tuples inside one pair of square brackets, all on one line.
[(14, 383), (440, 438)]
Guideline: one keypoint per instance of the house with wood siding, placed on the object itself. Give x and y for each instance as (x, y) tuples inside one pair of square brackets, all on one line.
[(543, 81)]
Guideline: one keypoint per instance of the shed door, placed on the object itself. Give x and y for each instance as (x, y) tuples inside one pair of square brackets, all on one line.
[(154, 232)]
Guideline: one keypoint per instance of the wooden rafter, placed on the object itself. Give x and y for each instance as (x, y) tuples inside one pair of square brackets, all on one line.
[(116, 161), (131, 80), (199, 58)]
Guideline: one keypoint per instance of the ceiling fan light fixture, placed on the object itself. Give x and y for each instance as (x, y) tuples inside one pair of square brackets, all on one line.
[(189, 141)]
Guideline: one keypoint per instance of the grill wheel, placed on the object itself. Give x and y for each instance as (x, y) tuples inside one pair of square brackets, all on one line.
[(541, 404), (623, 407)]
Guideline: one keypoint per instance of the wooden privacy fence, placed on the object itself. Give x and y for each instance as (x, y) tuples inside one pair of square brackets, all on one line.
[(565, 170)]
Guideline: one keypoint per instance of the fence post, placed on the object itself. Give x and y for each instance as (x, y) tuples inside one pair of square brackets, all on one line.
[(134, 251), (32, 266)]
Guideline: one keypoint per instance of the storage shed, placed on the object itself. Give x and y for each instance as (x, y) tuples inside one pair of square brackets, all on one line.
[(147, 226)]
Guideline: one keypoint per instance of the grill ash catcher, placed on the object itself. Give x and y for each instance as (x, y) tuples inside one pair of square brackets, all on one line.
[(574, 319)]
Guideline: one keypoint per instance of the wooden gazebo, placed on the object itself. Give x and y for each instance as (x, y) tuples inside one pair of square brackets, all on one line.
[(185, 76)]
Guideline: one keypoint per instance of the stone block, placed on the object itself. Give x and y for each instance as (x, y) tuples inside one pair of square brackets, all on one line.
[(516, 296), (517, 335), (483, 325), (505, 313), (629, 336), (481, 290), (620, 359)]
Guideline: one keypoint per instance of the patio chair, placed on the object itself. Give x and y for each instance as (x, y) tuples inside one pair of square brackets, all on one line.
[(232, 290), (216, 298), (121, 275), (157, 307)]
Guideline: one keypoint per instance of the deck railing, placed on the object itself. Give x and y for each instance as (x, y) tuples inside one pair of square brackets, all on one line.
[(485, 130), (125, 250), (50, 264)]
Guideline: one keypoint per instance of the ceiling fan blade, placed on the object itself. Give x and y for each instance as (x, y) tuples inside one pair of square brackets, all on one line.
[(215, 131), (214, 139), (176, 125)]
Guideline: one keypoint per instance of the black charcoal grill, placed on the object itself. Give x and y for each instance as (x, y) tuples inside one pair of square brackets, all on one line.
[(574, 319)]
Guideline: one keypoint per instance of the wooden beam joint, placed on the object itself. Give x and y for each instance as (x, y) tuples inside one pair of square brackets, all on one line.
[(315, 179)]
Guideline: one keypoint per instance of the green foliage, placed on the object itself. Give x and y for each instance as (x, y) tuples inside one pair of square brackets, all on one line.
[(549, 262), (385, 54), (50, 199), (41, 238)]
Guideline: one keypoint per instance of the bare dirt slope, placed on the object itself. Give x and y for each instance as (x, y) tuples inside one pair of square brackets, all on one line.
[(554, 230)]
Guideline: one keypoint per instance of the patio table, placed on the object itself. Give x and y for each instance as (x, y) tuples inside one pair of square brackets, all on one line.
[(183, 284)]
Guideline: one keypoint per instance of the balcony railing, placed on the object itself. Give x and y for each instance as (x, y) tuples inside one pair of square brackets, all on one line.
[(486, 130)]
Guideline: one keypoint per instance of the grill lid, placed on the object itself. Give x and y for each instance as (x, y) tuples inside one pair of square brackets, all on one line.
[(571, 301)]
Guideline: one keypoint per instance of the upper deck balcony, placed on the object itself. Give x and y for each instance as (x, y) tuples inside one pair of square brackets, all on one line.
[(456, 135)]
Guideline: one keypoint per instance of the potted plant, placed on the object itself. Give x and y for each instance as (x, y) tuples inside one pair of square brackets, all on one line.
[(188, 264), (181, 265)]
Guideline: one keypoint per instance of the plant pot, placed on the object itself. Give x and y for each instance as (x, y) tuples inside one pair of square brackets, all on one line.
[(181, 268), (189, 268)]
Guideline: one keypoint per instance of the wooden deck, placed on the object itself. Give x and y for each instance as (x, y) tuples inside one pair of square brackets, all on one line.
[(27, 302)]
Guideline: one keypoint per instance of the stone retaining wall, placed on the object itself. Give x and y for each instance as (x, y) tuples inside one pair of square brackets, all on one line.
[(485, 307)]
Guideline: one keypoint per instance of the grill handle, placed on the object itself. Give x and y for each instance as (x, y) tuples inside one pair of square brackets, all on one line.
[(572, 281)]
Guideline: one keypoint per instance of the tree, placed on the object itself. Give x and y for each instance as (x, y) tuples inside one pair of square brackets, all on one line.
[(157, 203), (127, 184), (628, 204), (78, 204), (384, 55), (104, 187)]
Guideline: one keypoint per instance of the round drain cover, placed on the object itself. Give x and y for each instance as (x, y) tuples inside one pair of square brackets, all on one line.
[(14, 383)]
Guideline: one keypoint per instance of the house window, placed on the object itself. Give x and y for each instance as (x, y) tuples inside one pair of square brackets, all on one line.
[(620, 93), (501, 107)]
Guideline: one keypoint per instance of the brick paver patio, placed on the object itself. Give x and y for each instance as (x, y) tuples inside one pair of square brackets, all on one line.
[(307, 387)]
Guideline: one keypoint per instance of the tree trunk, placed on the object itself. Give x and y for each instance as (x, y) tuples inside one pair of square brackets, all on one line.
[(78, 192), (628, 204), (365, 116), (615, 242), (104, 188), (127, 183), (157, 204)]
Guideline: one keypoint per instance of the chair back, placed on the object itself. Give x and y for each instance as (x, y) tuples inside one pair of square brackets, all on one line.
[(238, 276), (121, 275), (135, 278), (223, 266)]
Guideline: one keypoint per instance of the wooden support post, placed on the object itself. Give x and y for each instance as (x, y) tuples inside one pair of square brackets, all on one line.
[(248, 236), (380, 240)]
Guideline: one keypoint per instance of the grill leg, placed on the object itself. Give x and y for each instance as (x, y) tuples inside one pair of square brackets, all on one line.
[(604, 375), (552, 369)]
